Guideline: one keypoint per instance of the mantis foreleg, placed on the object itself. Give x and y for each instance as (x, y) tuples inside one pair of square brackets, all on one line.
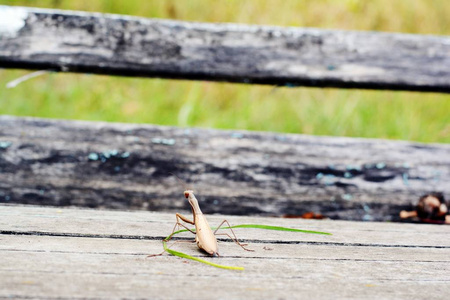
[(178, 223)]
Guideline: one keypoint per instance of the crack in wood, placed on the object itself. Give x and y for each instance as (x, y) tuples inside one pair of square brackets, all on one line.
[(255, 241), (227, 257)]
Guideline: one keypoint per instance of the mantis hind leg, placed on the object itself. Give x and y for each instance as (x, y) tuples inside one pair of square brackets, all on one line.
[(234, 238)]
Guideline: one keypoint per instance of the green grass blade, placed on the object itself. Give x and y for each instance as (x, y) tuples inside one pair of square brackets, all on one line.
[(279, 228), (184, 255), (174, 233), (258, 226)]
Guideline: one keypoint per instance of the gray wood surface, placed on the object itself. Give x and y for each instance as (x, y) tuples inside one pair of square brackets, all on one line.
[(125, 166), (66, 253), (109, 44)]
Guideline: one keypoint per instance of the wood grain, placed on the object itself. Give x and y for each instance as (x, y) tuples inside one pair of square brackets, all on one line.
[(124, 166), (70, 41), (48, 253)]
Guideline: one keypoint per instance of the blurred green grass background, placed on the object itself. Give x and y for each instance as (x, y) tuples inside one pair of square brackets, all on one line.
[(423, 117)]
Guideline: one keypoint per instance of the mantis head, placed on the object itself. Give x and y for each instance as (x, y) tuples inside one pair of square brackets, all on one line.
[(189, 194)]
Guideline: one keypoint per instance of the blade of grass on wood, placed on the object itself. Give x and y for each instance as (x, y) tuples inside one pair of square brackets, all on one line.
[(258, 226)]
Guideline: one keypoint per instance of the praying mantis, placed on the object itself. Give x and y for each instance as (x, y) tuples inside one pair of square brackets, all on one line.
[(204, 236)]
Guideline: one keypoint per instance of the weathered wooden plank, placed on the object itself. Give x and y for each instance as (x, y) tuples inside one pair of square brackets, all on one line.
[(150, 226), (45, 266), (110, 44), (62, 163), (138, 246), (73, 275)]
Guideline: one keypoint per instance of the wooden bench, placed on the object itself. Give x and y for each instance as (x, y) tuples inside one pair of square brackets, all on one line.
[(126, 166), (247, 177), (77, 253), (129, 46)]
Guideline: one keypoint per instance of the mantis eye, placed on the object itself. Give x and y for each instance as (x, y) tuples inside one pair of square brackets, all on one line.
[(186, 194)]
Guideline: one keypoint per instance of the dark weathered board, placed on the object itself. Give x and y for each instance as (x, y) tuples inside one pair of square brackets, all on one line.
[(54, 253), (124, 166), (110, 44)]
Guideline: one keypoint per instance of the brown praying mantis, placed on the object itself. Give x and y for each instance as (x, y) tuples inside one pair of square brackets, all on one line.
[(204, 236)]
